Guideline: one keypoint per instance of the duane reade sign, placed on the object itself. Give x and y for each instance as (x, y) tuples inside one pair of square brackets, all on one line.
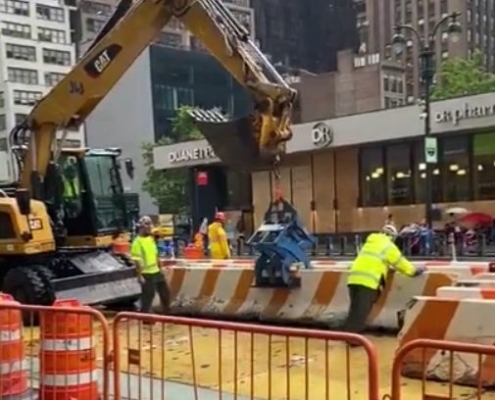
[(198, 153), (467, 112)]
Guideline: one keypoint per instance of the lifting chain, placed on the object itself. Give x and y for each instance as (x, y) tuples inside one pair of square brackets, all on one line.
[(278, 195)]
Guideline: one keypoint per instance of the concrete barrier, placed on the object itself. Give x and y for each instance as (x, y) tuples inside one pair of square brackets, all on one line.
[(456, 292), (462, 320), (228, 292), (476, 282)]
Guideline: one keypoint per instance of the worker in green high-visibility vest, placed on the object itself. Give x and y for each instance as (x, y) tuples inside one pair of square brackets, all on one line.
[(368, 274)]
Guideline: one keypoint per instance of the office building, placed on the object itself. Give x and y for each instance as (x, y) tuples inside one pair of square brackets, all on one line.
[(91, 16), (300, 35), (376, 20), (35, 54), (361, 83)]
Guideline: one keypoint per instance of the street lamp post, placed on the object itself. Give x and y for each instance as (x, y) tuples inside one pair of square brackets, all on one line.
[(427, 73)]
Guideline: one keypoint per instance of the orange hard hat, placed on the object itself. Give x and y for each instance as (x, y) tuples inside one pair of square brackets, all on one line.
[(220, 216)]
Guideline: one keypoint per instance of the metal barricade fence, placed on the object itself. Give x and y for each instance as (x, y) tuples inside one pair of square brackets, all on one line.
[(444, 370), (224, 360), (58, 352), (438, 245)]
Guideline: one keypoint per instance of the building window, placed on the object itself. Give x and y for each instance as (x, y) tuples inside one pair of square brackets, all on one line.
[(238, 185), (52, 78), (3, 144), (372, 176), (16, 30), (170, 39), (455, 171), (94, 25), (56, 57), (20, 118), (51, 35), (2, 99), (26, 98), (3, 122), (386, 86), (444, 9), (22, 75), (171, 98), (96, 8), (399, 174), (484, 166), (18, 52), (16, 7), (50, 13)]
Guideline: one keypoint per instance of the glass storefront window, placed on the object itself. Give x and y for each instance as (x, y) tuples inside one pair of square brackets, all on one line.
[(455, 169), (420, 175), (399, 174), (484, 166), (372, 176)]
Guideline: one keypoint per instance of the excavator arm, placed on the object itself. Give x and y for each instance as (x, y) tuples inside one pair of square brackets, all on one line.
[(255, 141)]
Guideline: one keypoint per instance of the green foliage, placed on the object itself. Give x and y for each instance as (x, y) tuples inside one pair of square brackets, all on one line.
[(168, 189), (462, 77), (183, 127)]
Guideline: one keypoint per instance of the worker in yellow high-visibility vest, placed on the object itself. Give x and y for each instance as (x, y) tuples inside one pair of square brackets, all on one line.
[(145, 255), (217, 238), (368, 273)]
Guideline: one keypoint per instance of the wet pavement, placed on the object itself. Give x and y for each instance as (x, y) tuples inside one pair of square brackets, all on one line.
[(176, 362)]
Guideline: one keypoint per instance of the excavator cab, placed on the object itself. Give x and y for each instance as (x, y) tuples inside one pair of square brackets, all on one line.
[(92, 196)]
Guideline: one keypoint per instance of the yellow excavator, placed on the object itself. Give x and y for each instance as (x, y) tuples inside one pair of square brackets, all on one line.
[(57, 221)]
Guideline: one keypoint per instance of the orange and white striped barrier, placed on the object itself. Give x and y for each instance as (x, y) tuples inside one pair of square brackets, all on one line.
[(476, 282), (243, 262), (323, 298), (459, 320), (465, 269), (13, 367), (67, 355), (459, 292)]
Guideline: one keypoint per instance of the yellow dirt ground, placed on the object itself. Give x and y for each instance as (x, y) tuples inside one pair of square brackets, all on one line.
[(171, 351)]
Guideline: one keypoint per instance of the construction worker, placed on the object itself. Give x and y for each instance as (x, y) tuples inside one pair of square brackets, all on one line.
[(217, 238), (72, 188), (368, 273), (144, 253)]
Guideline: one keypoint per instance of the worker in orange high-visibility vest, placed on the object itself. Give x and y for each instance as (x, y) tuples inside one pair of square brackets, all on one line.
[(217, 238)]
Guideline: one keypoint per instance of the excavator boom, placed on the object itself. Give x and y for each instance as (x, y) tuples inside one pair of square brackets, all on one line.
[(260, 136)]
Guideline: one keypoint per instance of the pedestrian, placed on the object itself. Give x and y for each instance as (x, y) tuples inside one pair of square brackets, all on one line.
[(368, 273), (217, 238), (147, 260)]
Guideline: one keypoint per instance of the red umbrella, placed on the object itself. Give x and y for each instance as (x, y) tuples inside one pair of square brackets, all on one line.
[(476, 218)]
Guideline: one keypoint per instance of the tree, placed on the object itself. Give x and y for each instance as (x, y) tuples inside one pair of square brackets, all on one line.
[(168, 189), (462, 77)]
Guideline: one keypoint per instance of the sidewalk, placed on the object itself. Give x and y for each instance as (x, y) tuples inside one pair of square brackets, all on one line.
[(134, 387)]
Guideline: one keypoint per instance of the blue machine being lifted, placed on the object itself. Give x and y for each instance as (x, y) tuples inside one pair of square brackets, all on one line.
[(282, 243)]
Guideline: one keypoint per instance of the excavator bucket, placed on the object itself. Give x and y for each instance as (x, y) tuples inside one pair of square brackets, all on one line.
[(234, 142)]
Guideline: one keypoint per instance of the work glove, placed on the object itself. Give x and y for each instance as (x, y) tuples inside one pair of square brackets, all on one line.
[(419, 271)]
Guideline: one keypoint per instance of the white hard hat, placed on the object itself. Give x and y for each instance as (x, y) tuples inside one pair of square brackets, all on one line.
[(390, 230), (144, 220)]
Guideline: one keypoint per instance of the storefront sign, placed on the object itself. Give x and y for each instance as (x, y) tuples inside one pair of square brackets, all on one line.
[(322, 135), (202, 178), (182, 156), (467, 112), (431, 150)]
